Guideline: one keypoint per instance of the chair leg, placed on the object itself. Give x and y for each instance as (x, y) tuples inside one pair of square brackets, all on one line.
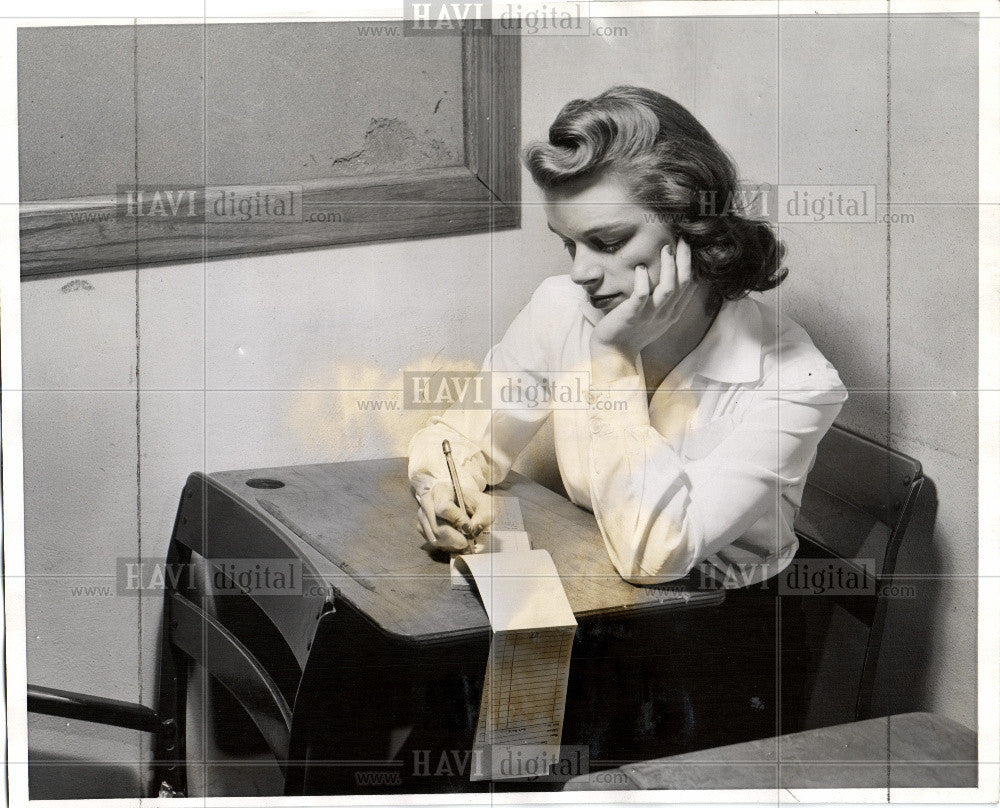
[(171, 749), (170, 768)]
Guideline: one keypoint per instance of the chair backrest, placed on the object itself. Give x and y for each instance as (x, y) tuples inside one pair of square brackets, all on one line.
[(223, 613), (856, 507), (856, 485)]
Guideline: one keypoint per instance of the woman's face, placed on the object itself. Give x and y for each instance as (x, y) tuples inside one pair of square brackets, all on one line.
[(606, 234)]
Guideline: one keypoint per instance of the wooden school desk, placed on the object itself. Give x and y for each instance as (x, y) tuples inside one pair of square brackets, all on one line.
[(377, 640)]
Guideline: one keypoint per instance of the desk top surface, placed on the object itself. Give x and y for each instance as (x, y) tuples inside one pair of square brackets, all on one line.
[(356, 522)]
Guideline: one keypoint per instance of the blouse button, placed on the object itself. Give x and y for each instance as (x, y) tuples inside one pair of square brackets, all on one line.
[(596, 426)]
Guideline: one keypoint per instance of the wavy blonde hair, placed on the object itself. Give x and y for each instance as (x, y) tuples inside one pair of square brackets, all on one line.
[(672, 165)]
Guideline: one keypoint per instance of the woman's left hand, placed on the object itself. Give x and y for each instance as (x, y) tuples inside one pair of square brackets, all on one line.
[(652, 307)]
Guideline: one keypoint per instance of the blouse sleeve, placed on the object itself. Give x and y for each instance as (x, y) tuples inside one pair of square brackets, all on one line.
[(487, 438), (661, 516)]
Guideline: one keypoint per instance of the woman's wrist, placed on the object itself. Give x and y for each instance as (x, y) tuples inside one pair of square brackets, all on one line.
[(609, 363)]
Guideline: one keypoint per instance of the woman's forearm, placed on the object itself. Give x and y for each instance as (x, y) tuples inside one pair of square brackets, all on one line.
[(609, 363)]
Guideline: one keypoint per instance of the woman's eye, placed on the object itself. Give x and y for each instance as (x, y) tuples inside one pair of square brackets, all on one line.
[(570, 247), (609, 248)]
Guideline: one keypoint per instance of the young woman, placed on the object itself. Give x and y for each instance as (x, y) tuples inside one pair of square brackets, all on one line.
[(705, 406)]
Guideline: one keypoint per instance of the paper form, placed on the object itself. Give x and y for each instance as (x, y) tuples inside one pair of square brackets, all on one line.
[(506, 513), (504, 535), (524, 692)]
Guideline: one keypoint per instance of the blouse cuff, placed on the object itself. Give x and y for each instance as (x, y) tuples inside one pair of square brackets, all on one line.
[(616, 406)]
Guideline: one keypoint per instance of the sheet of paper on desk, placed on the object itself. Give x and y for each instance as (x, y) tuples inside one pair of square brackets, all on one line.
[(524, 693)]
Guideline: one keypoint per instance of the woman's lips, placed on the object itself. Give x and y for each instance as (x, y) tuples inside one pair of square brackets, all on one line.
[(603, 301)]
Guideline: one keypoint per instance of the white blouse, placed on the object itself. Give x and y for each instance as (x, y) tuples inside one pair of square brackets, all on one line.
[(710, 472)]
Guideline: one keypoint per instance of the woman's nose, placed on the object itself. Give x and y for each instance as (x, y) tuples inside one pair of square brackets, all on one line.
[(586, 270)]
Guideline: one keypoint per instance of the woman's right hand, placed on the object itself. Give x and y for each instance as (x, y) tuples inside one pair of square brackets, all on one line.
[(443, 524), (660, 296)]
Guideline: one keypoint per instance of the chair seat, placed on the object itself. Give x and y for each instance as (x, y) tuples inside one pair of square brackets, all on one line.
[(913, 750)]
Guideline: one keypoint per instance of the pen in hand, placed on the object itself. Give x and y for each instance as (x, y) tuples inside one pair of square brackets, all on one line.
[(453, 473), (456, 486)]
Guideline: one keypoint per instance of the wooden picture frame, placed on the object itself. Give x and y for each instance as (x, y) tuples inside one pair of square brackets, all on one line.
[(90, 233)]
